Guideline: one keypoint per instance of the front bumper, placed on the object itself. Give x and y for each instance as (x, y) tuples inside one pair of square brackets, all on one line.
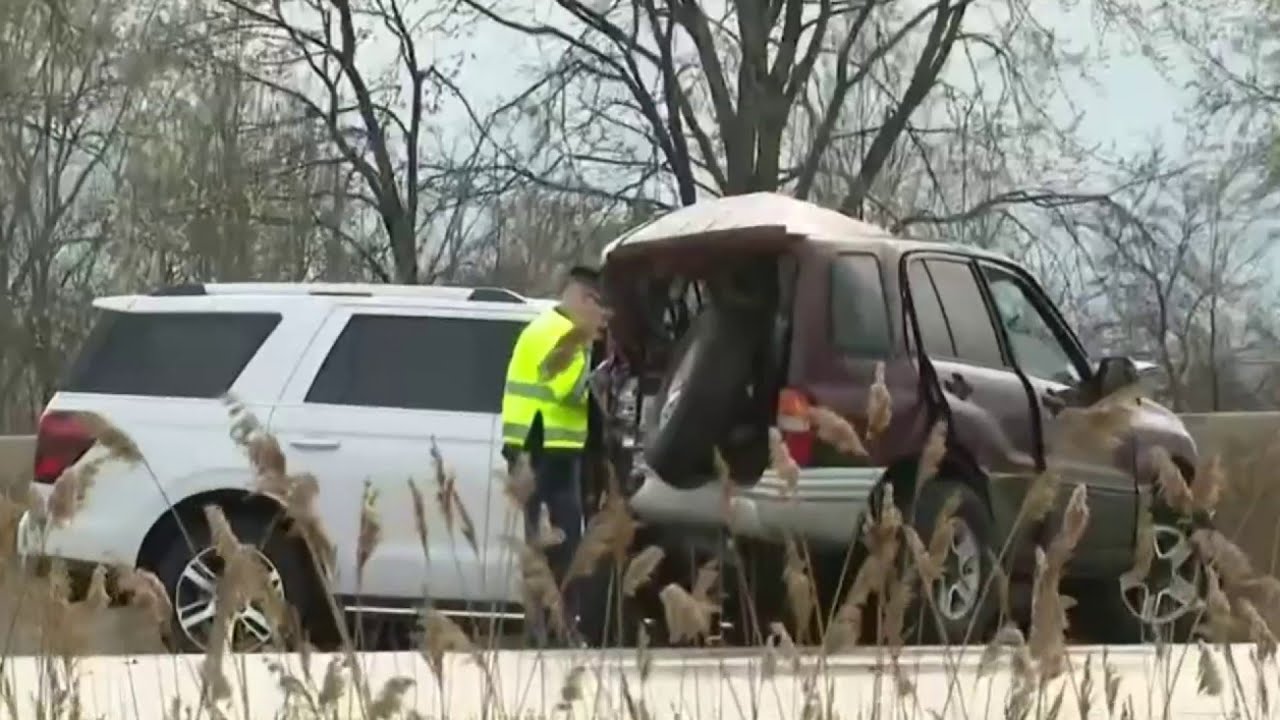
[(825, 510)]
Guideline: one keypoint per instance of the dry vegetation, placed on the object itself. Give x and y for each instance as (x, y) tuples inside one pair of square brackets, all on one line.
[(886, 588)]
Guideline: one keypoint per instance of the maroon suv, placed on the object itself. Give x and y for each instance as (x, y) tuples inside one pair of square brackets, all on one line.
[(732, 315)]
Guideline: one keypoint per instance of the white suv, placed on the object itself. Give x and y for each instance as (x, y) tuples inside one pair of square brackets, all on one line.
[(356, 382)]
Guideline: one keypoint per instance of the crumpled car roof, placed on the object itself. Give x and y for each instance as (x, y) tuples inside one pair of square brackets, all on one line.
[(738, 217), (756, 210)]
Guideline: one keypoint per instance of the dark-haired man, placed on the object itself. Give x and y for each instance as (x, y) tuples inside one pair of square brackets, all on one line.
[(544, 414)]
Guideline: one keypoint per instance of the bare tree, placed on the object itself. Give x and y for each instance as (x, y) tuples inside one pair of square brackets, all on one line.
[(1225, 53), (534, 232), (1179, 282), (707, 98), (325, 47), (223, 181), (70, 77), (991, 144)]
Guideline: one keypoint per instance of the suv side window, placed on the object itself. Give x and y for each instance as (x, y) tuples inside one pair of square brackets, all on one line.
[(934, 333), (966, 312), (1035, 346), (859, 318), (417, 363), (168, 354)]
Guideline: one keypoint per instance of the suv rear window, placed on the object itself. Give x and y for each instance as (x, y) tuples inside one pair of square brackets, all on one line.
[(418, 363), (171, 354)]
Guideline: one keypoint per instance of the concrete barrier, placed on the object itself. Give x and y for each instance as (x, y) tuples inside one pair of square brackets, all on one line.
[(1233, 433), (1247, 443), (1234, 436), (1248, 446), (17, 455), (941, 683), (1213, 431), (1243, 440)]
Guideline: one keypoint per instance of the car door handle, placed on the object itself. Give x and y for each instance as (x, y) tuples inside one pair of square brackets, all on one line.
[(315, 443), (1052, 402), (958, 386)]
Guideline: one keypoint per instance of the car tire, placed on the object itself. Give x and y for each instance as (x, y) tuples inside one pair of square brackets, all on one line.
[(697, 402), (186, 576), (598, 622), (964, 601), (1112, 617)]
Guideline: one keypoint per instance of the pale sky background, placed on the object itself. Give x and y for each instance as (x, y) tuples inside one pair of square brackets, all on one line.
[(1127, 105), (1132, 103)]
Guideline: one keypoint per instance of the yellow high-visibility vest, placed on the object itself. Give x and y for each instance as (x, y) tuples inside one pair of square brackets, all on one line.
[(562, 399)]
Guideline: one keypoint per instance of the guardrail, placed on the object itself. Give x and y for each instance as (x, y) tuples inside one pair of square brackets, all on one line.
[(17, 454), (673, 683), (1233, 432), (1248, 445), (1227, 434)]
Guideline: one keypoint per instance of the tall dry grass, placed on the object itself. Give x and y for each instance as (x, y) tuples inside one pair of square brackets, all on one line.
[(888, 592)]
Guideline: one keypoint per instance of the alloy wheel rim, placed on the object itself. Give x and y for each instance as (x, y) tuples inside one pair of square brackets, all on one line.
[(195, 603), (1171, 589), (956, 592)]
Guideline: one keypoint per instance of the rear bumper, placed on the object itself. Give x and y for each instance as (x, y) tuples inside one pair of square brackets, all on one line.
[(88, 539), (825, 510)]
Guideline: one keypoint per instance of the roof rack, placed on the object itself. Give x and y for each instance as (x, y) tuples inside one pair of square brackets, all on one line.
[(184, 289), (492, 294), (442, 292)]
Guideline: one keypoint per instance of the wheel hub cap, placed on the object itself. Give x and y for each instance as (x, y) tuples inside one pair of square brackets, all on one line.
[(1172, 586), (956, 593), (196, 603)]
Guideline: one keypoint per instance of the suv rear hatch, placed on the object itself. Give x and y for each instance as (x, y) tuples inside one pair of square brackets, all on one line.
[(701, 318)]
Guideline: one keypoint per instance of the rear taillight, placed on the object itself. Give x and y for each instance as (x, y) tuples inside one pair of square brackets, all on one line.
[(61, 440), (793, 424)]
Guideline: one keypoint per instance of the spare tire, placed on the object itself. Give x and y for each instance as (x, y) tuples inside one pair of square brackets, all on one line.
[(696, 405)]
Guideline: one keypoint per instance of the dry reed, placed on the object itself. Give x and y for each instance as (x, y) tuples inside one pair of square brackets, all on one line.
[(1234, 593)]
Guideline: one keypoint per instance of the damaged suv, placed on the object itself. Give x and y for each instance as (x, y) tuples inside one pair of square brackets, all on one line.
[(736, 316)]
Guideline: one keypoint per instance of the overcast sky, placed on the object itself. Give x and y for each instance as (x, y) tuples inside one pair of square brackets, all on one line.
[(1129, 104), (1126, 105)]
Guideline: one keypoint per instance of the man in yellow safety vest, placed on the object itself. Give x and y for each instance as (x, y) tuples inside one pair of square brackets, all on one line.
[(544, 414)]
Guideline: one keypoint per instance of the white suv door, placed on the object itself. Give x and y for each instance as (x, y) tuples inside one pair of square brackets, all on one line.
[(375, 388)]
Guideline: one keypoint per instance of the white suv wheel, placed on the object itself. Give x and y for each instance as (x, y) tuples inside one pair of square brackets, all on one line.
[(195, 603)]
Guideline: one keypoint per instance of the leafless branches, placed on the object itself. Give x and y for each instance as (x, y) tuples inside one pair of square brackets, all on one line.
[(1178, 272), (381, 144), (716, 98), (342, 140), (65, 97)]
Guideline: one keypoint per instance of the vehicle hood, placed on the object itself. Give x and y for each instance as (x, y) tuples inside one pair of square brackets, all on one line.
[(1154, 414), (1155, 423)]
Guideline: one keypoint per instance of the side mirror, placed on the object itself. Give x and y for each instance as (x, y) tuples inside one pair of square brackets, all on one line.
[(1146, 369), (1114, 373)]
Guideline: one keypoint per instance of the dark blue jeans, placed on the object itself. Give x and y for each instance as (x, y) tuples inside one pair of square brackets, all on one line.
[(558, 485)]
